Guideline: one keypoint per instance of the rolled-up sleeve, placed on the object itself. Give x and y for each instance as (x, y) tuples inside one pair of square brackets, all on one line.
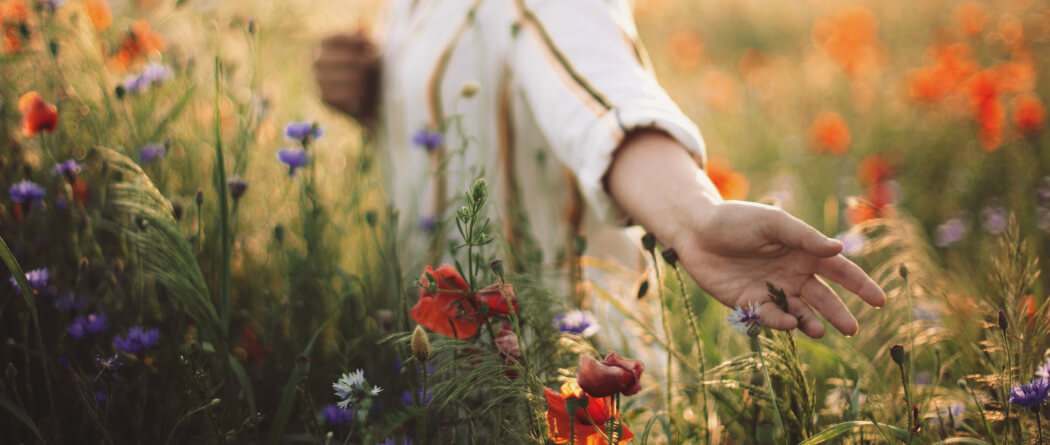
[(581, 72)]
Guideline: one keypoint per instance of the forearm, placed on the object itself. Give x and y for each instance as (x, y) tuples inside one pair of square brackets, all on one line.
[(658, 184)]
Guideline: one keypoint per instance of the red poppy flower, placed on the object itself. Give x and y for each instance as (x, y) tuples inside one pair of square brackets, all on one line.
[(495, 296), (829, 133), (1029, 114), (509, 350), (730, 183), (37, 115), (139, 42), (562, 425), (614, 375), (874, 169), (99, 13), (850, 38), (446, 311), (13, 15)]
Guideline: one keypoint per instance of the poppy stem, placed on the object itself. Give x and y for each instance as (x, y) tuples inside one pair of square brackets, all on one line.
[(667, 334), (694, 326), (423, 401)]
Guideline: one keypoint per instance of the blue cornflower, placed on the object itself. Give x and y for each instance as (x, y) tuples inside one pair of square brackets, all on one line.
[(951, 232), (26, 192), (101, 397), (294, 158), (334, 415), (303, 132), (137, 340), (237, 186), (153, 73), (743, 319), (427, 224), (68, 168), (407, 399), (390, 441), (1031, 394), (54, 4), (352, 387), (577, 322), (90, 325), (37, 279), (1044, 369), (151, 152), (428, 140), (69, 302)]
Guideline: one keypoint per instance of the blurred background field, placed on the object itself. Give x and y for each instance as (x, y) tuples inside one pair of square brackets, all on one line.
[(912, 130)]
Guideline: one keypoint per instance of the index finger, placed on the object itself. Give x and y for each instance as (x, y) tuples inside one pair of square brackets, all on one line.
[(843, 271)]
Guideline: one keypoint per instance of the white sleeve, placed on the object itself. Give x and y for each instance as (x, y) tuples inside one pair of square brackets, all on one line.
[(580, 68)]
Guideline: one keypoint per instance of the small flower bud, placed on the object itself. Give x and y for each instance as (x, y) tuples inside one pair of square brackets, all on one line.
[(199, 197), (497, 268), (670, 256), (176, 211), (251, 26), (278, 233), (1003, 323), (52, 46), (649, 241), (897, 354), (82, 265), (469, 89), (215, 401), (371, 217), (643, 289), (120, 91), (420, 345), (903, 271), (237, 186), (580, 244)]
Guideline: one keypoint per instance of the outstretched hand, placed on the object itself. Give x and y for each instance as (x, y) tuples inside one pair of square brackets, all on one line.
[(733, 248), (736, 247)]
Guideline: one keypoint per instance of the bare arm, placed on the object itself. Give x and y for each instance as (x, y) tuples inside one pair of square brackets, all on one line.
[(732, 248)]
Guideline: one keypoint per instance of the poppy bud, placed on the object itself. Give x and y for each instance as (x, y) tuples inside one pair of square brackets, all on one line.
[(420, 345), (497, 268), (649, 241), (120, 91), (614, 375), (199, 198), (897, 353), (278, 233), (1003, 324), (251, 25), (670, 256), (53, 47), (371, 217), (903, 271)]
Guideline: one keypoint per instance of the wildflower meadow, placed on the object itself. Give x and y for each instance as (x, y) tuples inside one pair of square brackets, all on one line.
[(196, 250)]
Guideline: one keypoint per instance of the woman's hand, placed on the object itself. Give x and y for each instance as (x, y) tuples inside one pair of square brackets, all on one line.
[(735, 247), (347, 70), (732, 248)]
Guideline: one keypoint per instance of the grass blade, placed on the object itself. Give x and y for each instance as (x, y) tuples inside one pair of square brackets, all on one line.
[(23, 285)]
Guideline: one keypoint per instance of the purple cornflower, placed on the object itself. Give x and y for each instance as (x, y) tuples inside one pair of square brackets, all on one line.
[(90, 325), (303, 132), (743, 319), (69, 302), (37, 279), (334, 415), (237, 186), (407, 399), (54, 4), (577, 322), (428, 140), (152, 74), (101, 397), (62, 362), (950, 232), (151, 152), (994, 218), (137, 340), (390, 441), (427, 224), (26, 192), (294, 158), (1044, 369), (68, 168), (1032, 394)]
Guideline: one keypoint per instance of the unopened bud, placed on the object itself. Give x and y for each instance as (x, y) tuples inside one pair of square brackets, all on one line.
[(420, 345), (649, 241), (903, 271), (199, 198), (754, 330), (643, 289), (469, 89), (897, 354), (1003, 323), (371, 217), (497, 268), (215, 401), (670, 256)]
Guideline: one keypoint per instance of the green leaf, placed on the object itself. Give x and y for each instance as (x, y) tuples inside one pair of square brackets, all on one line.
[(27, 294), (845, 427), (21, 415), (242, 378)]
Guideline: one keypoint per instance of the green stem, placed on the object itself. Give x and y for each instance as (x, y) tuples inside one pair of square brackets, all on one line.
[(423, 401), (225, 292), (664, 317), (772, 394), (694, 326), (907, 400)]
